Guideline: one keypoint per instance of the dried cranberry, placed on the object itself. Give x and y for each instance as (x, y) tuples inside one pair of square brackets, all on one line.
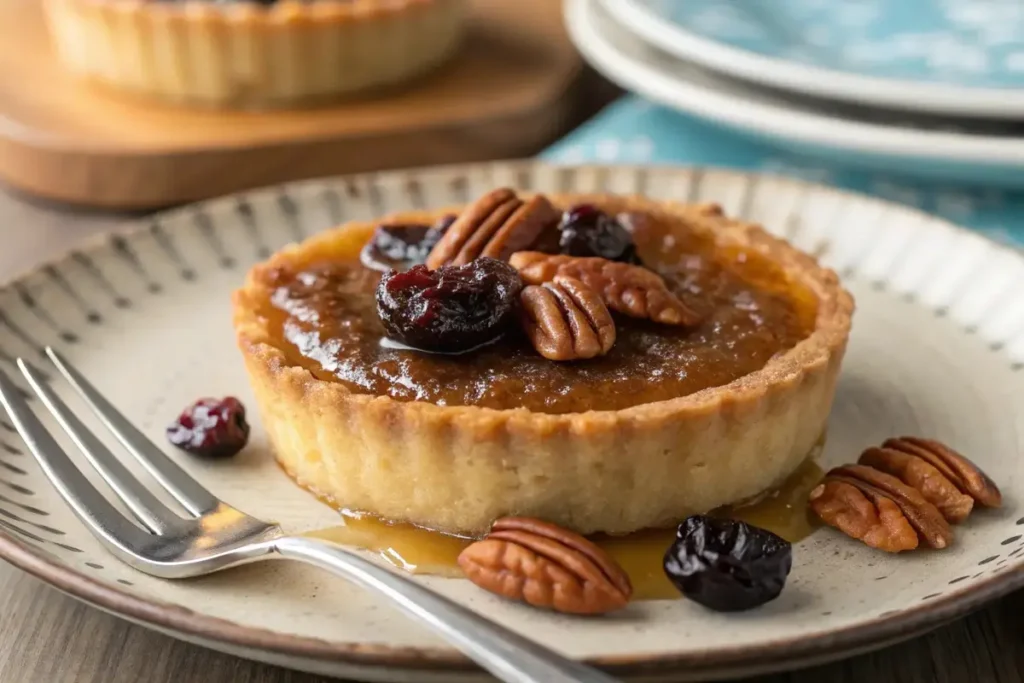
[(727, 565), (211, 428), (402, 245), (588, 231), (451, 309)]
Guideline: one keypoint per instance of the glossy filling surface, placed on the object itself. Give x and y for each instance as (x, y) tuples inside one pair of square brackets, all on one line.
[(324, 313)]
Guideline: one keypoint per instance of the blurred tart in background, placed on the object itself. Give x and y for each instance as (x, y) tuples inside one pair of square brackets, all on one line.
[(253, 54)]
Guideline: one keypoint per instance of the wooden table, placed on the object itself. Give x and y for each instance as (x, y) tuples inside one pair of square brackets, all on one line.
[(46, 637)]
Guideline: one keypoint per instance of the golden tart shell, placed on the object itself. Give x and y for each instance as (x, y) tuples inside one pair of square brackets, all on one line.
[(243, 54), (458, 468)]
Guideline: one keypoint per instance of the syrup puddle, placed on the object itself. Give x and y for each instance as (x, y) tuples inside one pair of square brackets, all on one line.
[(422, 551)]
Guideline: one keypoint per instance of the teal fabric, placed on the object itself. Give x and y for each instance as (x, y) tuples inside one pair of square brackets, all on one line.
[(633, 131)]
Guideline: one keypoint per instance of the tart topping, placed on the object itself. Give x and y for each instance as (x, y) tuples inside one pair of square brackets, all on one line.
[(963, 473), (921, 481), (588, 231), (211, 428), (326, 312), (566, 320), (451, 309), (546, 566), (495, 226), (865, 513), (402, 246), (628, 289), (727, 565)]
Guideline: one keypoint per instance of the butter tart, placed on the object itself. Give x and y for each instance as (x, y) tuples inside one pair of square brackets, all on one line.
[(243, 53), (714, 385)]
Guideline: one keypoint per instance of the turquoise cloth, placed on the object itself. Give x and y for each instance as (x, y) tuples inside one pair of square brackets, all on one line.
[(634, 131)]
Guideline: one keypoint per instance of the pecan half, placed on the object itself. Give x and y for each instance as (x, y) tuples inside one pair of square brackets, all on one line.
[(922, 515), (862, 512), (918, 473), (566, 320), (496, 225), (967, 476), (631, 290), (546, 566)]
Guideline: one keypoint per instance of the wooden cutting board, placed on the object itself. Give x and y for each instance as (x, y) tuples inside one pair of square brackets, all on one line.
[(514, 88)]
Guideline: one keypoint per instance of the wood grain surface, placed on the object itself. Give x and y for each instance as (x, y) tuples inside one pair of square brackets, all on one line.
[(46, 637), (511, 90)]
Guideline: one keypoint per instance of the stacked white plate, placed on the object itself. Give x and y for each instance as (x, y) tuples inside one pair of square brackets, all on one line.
[(930, 88)]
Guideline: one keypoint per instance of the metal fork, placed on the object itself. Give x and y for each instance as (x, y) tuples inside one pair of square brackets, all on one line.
[(213, 535)]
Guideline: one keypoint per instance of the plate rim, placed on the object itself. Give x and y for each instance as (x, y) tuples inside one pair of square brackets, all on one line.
[(771, 120), (774, 655), (808, 79)]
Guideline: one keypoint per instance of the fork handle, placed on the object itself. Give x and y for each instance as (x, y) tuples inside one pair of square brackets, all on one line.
[(505, 654)]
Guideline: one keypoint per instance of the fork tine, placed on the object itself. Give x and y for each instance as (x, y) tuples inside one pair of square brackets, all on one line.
[(144, 505), (92, 508), (182, 486)]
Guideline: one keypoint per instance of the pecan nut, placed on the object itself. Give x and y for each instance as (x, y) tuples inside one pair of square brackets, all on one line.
[(566, 320), (862, 512), (964, 474), (546, 566), (627, 289), (926, 519), (496, 225), (918, 473)]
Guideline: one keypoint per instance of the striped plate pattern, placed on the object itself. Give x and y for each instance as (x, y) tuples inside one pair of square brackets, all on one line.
[(937, 349)]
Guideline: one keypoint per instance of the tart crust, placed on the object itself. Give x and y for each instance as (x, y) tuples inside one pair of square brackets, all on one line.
[(245, 54), (458, 468)]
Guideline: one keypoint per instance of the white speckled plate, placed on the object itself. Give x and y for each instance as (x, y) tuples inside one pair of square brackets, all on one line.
[(937, 349), (987, 153), (931, 56)]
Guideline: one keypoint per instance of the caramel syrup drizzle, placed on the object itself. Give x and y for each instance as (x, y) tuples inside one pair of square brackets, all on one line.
[(784, 511)]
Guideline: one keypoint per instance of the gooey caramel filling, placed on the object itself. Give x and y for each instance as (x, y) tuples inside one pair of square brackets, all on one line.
[(324, 315)]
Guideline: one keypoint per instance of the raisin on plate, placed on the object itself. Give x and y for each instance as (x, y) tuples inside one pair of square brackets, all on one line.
[(727, 565)]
